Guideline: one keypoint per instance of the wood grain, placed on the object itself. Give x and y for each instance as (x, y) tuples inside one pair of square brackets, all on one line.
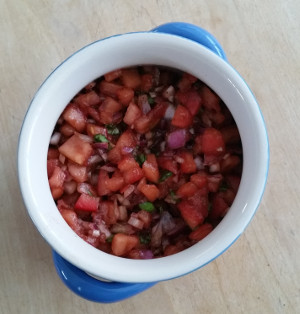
[(260, 273)]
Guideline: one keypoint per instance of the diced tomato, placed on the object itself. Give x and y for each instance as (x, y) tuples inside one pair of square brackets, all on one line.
[(131, 78), (233, 181), (201, 232), (72, 220), (66, 129), (56, 182), (123, 243), (189, 165), (127, 163), (219, 207), (86, 100), (143, 124), (197, 148), (182, 117), (108, 110), (167, 163), (150, 168), (200, 179), (127, 139), (87, 203), (133, 175), (102, 188), (93, 129), (171, 249), (76, 149), (75, 117), (213, 142), (109, 89), (147, 82), (228, 196), (53, 153), (115, 183), (200, 201), (187, 189), (157, 113), (230, 163), (125, 95), (133, 112), (109, 212), (190, 99), (51, 165), (78, 173), (214, 182), (191, 215), (150, 191), (210, 100), (231, 134), (184, 84), (114, 155), (110, 76), (145, 217)]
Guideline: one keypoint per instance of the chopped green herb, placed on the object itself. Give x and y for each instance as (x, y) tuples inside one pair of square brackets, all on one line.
[(223, 187), (165, 176), (109, 239), (147, 206), (100, 138), (151, 101), (112, 129), (145, 238), (140, 158)]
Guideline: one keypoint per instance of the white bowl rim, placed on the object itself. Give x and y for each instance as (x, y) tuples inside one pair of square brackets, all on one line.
[(126, 270)]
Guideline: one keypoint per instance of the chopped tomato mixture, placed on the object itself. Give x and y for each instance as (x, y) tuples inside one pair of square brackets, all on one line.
[(144, 162)]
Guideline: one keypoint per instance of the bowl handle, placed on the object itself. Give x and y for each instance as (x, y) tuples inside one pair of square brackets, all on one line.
[(93, 289), (194, 33)]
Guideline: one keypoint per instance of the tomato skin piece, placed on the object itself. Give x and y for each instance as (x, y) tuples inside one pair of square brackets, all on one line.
[(191, 215), (182, 117), (150, 168), (187, 189), (201, 232), (76, 150), (123, 244), (109, 89), (102, 188), (189, 165), (108, 109), (87, 203), (213, 142)]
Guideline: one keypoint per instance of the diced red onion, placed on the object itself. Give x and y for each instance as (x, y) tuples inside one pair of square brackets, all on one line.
[(120, 198), (130, 188), (169, 93), (169, 114), (180, 225), (167, 222), (162, 146), (55, 138), (117, 117), (179, 159), (214, 168), (177, 139), (122, 213), (85, 188), (146, 254), (103, 229), (70, 187), (100, 145), (144, 103), (108, 168), (127, 150), (122, 228), (85, 138), (62, 158), (135, 222), (94, 160), (199, 163), (126, 202), (102, 154)]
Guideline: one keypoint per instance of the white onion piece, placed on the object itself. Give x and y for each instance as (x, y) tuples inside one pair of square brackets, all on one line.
[(122, 213), (70, 187), (55, 138), (135, 222), (130, 188), (108, 168), (214, 167), (62, 158), (169, 93), (179, 159), (199, 163)]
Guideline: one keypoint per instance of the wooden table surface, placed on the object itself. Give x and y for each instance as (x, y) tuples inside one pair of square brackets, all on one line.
[(260, 273)]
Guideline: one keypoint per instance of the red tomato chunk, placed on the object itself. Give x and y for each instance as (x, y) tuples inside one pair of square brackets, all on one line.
[(144, 162)]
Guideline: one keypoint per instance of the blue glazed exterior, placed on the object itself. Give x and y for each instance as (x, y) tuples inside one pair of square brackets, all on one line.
[(107, 292)]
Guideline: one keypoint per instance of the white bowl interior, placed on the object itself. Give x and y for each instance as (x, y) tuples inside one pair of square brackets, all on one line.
[(90, 63)]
